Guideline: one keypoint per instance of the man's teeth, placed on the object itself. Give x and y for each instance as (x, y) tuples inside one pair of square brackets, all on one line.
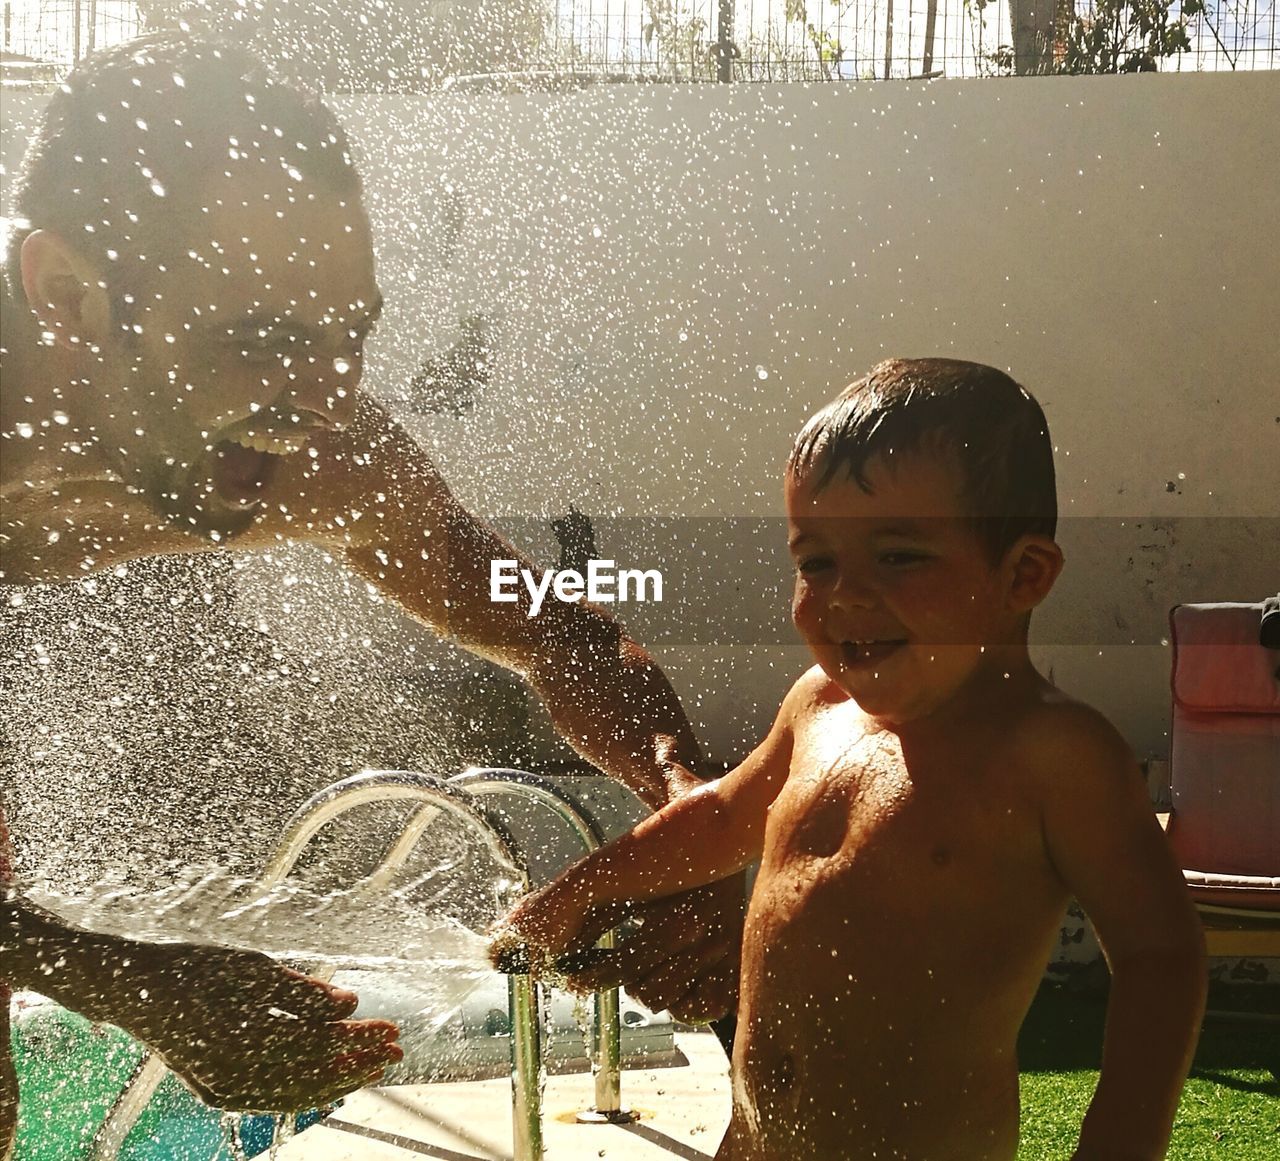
[(275, 444)]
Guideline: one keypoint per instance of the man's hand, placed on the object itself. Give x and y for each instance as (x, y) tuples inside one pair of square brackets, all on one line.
[(247, 1033), (683, 958)]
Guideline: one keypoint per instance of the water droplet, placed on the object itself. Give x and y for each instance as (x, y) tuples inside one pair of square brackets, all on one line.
[(26, 431), (342, 366), (762, 372)]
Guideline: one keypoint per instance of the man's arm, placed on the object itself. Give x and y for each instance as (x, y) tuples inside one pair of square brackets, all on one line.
[(376, 497), (606, 695), (700, 838), (1105, 842), (192, 1004)]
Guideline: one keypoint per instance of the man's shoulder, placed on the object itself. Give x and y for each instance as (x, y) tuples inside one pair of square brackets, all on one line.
[(352, 482)]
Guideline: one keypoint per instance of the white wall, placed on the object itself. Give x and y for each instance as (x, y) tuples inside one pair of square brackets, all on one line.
[(649, 253), (1108, 240)]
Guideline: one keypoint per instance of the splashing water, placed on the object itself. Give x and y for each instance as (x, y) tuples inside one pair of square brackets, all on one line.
[(438, 955)]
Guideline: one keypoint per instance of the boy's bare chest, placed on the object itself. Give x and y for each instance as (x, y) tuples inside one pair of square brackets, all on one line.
[(854, 803)]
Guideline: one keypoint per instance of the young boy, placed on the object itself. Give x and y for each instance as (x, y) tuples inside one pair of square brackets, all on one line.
[(923, 808)]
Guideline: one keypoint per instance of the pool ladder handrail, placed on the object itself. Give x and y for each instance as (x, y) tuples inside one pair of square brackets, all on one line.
[(456, 796), (607, 1024)]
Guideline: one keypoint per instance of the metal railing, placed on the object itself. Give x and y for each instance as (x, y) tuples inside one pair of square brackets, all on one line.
[(402, 45), (607, 1024), (462, 798)]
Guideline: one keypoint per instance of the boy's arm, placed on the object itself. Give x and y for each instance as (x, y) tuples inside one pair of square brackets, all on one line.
[(1106, 844), (703, 837)]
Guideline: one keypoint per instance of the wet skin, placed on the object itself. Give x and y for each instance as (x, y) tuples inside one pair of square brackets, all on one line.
[(906, 904), (899, 927)]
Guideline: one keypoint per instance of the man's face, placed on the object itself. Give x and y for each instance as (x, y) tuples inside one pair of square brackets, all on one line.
[(894, 594), (250, 343)]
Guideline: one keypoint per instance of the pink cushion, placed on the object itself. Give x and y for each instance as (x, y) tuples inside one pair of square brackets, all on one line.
[(1225, 759), (1217, 661)]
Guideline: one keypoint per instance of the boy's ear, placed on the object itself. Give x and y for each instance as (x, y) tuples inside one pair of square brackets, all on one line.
[(1034, 563), (63, 290)]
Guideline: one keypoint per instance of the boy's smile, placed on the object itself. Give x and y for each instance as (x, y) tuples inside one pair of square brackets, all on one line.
[(895, 595)]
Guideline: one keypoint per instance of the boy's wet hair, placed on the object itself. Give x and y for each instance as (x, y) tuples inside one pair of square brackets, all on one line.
[(120, 164), (992, 426)]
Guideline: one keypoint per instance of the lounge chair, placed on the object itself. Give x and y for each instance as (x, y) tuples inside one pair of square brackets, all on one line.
[(1225, 774)]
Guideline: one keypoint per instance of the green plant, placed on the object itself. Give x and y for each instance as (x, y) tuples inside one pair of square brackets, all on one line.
[(1126, 36), (1111, 36)]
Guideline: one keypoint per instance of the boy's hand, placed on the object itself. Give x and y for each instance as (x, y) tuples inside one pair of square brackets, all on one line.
[(247, 1033), (548, 921), (685, 956)]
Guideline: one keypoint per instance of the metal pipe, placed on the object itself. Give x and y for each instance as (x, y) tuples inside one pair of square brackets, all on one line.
[(492, 779), (608, 1048), (316, 813), (389, 786), (441, 797), (127, 1108), (526, 1067), (606, 1024)]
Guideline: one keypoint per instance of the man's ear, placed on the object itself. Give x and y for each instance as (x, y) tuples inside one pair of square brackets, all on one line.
[(63, 290), (1034, 563)]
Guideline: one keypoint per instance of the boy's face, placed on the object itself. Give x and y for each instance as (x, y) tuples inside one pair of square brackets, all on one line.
[(894, 594), (250, 343)]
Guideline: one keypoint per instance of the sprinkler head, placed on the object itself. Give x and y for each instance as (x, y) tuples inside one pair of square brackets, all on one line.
[(517, 961)]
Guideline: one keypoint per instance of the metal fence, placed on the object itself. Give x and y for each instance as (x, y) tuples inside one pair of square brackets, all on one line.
[(732, 40), (882, 39), (43, 38)]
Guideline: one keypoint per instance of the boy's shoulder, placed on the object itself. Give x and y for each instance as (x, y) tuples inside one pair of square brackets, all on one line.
[(814, 698), (812, 692), (1064, 742)]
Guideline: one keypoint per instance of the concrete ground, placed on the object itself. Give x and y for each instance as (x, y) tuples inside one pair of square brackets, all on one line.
[(683, 1113)]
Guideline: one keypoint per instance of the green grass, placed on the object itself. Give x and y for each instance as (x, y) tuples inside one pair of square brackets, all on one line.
[(1230, 1107)]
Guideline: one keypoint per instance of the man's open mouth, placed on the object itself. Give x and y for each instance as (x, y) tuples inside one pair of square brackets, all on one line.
[(860, 653), (243, 466)]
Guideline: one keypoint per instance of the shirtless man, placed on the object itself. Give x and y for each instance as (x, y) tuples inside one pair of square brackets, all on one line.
[(926, 804), (190, 287)]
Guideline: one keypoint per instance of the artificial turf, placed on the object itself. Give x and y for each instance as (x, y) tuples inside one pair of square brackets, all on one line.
[(1230, 1107)]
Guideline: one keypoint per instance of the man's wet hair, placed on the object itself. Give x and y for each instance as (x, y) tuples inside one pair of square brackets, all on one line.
[(991, 426), (122, 160)]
